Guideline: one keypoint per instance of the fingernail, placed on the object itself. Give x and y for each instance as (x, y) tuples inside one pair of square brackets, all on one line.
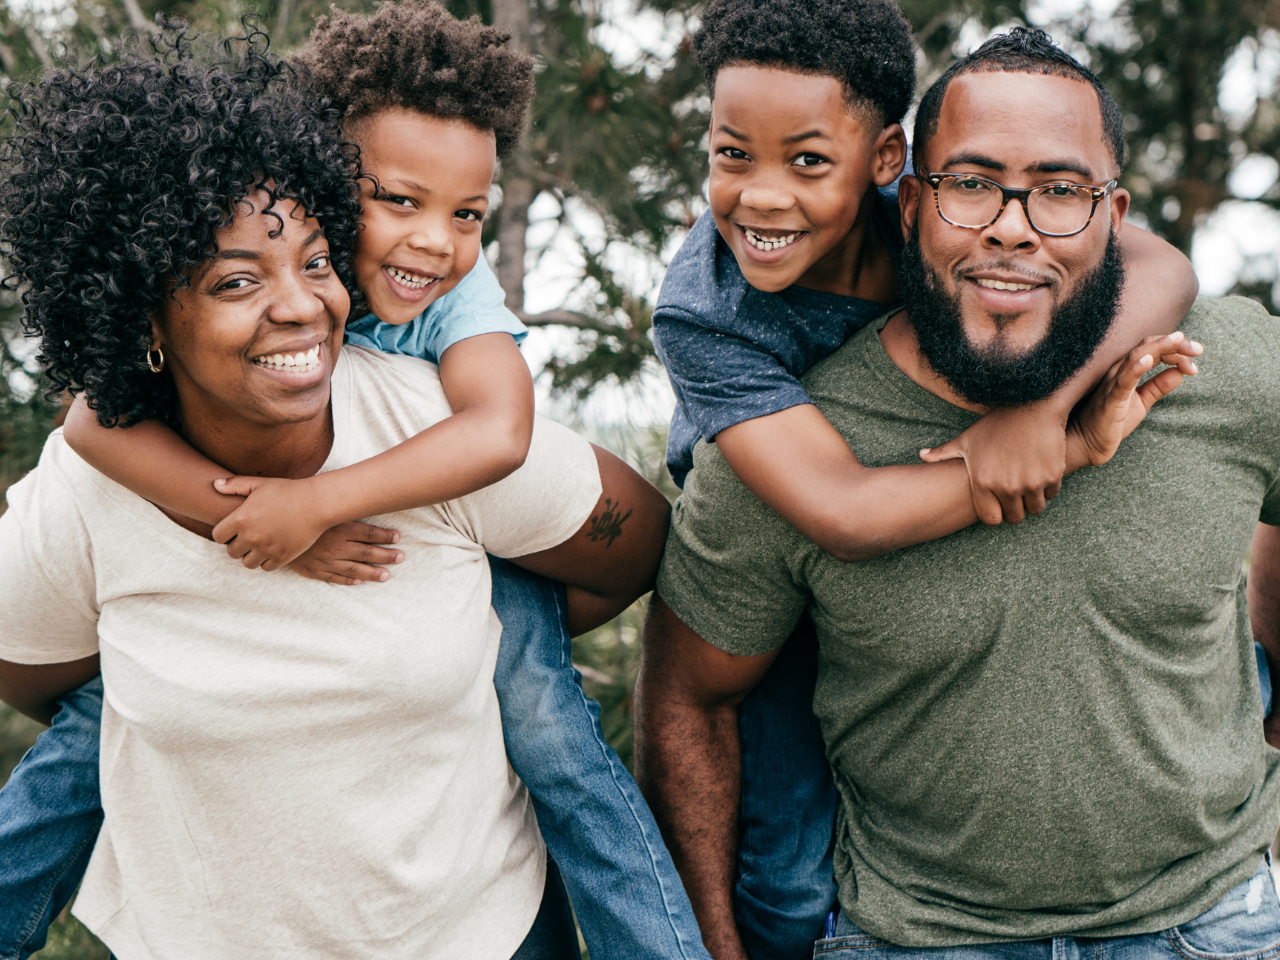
[(399, 558), (395, 538), (1145, 360), (219, 482), (1176, 336), (1196, 346), (1194, 368), (383, 575), (925, 450)]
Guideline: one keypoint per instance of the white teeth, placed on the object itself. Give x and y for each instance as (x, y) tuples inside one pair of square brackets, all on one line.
[(291, 362), (409, 280), (769, 243), (1001, 285)]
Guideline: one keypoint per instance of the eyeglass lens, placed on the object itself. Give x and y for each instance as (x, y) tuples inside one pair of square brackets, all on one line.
[(1053, 208)]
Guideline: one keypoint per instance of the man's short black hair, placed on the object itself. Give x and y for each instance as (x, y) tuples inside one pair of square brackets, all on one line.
[(116, 179), (415, 54), (865, 44), (1021, 50)]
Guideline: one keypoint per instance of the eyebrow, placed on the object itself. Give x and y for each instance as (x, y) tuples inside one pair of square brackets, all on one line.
[(807, 135), (1047, 166), (414, 185), (316, 234), (734, 133)]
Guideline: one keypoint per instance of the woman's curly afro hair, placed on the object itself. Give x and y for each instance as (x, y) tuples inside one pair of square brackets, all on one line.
[(416, 54), (119, 175), (866, 44)]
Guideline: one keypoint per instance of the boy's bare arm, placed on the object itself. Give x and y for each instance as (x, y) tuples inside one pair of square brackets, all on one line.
[(801, 466), (158, 465), (1015, 454), (688, 762), (152, 461), (491, 393)]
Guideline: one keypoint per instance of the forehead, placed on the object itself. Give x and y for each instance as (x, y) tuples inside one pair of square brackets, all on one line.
[(402, 137), (1023, 122), (782, 102)]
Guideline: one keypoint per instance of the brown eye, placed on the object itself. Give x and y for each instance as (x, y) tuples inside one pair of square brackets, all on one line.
[(733, 153), (810, 160)]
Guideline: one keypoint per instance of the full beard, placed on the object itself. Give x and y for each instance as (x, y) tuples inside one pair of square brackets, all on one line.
[(995, 376)]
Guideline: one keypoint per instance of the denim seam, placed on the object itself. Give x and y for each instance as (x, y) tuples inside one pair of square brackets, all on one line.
[(50, 889), (613, 773), (1191, 953)]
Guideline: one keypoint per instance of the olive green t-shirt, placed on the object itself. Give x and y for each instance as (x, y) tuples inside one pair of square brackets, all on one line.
[(1045, 729)]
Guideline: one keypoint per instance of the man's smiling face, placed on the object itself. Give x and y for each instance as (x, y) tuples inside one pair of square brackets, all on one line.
[(791, 162), (1021, 130)]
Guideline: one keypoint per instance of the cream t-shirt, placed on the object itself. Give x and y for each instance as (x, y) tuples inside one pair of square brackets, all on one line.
[(293, 769)]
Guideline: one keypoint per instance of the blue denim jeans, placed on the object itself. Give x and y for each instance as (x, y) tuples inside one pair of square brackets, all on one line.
[(1244, 925), (553, 935), (629, 900), (788, 809), (598, 828), (50, 812)]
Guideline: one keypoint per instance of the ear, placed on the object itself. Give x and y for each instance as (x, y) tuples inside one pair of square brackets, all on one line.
[(910, 194), (1119, 208), (889, 155)]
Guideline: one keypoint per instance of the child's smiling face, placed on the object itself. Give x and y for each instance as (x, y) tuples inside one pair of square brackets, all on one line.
[(422, 205), (791, 162)]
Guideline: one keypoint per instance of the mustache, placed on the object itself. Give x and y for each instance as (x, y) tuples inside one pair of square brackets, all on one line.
[(1005, 265)]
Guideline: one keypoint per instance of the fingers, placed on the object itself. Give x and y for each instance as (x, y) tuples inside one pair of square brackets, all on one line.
[(1012, 509), (1052, 490), (990, 510), (366, 532), (948, 451), (1159, 386), (237, 486), (1034, 503), (348, 574), (1175, 349)]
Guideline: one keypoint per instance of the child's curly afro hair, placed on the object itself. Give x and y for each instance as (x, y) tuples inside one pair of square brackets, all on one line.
[(416, 54), (866, 44), (117, 178)]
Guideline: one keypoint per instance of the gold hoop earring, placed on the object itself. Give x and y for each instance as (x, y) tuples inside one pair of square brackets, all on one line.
[(155, 367)]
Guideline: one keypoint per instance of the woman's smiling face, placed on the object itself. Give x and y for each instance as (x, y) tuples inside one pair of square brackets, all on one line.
[(253, 339)]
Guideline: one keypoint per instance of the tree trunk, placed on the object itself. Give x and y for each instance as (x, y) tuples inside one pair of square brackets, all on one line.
[(137, 17), (517, 188)]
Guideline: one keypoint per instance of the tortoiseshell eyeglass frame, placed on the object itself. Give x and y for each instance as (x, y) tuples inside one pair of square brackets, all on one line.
[(1007, 193)]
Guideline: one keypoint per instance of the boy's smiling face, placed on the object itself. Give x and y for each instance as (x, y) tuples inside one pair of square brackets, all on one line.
[(791, 162), (422, 205)]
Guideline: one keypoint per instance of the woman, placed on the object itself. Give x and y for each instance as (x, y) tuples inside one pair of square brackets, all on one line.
[(287, 767)]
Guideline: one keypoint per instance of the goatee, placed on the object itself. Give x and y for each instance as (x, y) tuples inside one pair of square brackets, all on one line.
[(995, 377)]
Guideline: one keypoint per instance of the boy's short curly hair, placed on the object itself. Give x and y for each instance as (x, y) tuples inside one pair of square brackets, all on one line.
[(865, 44), (117, 178), (416, 54)]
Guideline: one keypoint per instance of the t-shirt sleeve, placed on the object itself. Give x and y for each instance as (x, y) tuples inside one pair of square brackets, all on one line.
[(722, 380), (477, 305), (48, 595), (539, 506), (732, 567)]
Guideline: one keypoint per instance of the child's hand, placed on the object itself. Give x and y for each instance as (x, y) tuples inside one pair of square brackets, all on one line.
[(1015, 457), (1118, 404), (349, 554), (277, 522)]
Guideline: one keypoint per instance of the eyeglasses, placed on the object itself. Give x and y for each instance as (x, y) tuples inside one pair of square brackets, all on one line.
[(1053, 209)]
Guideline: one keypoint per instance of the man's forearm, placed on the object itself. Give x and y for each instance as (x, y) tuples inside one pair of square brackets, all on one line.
[(688, 766)]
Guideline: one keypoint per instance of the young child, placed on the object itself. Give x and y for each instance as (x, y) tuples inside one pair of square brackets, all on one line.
[(797, 252), (432, 105)]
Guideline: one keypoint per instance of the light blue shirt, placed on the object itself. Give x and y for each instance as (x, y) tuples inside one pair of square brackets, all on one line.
[(476, 305)]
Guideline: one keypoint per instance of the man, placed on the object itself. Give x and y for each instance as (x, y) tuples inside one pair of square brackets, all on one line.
[(1049, 733)]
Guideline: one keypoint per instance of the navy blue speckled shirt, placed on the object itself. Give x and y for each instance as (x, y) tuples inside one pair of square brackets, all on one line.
[(733, 352)]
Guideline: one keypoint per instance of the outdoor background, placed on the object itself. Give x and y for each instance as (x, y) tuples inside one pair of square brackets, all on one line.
[(612, 173)]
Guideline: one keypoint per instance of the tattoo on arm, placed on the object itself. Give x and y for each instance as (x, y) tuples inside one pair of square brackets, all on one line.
[(607, 525)]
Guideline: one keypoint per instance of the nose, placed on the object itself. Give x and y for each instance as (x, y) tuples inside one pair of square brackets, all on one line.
[(295, 302), (1012, 229), (765, 193), (431, 236)]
